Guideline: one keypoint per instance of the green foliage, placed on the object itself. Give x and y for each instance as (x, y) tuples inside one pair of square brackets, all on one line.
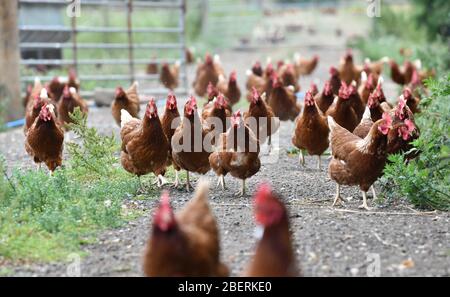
[(400, 28), (425, 181), (434, 16), (46, 217), (96, 155)]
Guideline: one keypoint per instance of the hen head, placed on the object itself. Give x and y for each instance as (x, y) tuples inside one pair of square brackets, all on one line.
[(165, 67), (351, 89), (276, 81), (255, 96), (209, 60), (269, 70), (164, 218), (220, 102), (348, 57), (212, 91), (400, 111), (328, 89), (55, 80), (233, 77), (309, 99), (120, 93), (386, 124), (333, 71), (257, 68), (152, 110), (171, 102), (314, 89), (407, 94), (373, 101), (67, 95), (343, 91), (280, 64), (406, 130), (191, 106), (236, 119), (46, 112), (268, 209)]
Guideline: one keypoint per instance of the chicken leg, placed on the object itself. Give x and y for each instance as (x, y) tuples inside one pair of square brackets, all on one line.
[(160, 181), (177, 180), (188, 183), (242, 191), (338, 199), (221, 182), (269, 145), (319, 162), (301, 158), (373, 193), (364, 205)]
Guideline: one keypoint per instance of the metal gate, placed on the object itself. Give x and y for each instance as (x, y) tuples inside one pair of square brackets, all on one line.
[(124, 57)]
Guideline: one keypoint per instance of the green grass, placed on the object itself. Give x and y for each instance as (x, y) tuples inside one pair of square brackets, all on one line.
[(45, 218)]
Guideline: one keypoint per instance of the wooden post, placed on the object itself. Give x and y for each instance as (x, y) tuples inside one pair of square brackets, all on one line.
[(9, 59)]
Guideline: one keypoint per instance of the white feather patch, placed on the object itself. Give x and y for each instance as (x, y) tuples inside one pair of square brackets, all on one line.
[(364, 144), (380, 80), (363, 76), (43, 94), (125, 117), (366, 115), (259, 231)]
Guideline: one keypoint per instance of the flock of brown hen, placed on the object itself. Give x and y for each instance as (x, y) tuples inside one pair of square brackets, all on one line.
[(351, 116)]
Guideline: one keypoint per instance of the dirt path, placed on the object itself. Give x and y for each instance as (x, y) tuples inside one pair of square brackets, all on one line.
[(328, 242)]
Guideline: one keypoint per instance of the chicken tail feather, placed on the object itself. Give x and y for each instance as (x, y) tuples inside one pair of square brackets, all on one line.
[(331, 123), (125, 117)]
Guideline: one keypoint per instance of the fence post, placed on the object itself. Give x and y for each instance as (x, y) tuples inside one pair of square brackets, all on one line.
[(130, 39), (10, 59)]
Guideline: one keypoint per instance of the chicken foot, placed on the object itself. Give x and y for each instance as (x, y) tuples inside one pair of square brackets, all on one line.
[(160, 181), (338, 199), (242, 190), (177, 180), (364, 205), (221, 182), (319, 162), (301, 158)]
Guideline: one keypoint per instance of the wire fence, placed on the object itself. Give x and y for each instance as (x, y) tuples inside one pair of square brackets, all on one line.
[(107, 43)]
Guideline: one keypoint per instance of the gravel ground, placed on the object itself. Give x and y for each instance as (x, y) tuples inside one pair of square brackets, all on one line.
[(328, 242)]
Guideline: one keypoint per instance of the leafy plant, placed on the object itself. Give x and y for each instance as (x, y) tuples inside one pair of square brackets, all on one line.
[(425, 181), (95, 155)]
